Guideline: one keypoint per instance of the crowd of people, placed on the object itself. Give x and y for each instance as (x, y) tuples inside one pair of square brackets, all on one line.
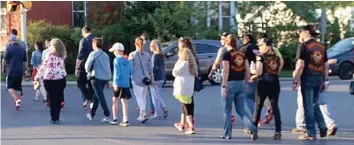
[(250, 75)]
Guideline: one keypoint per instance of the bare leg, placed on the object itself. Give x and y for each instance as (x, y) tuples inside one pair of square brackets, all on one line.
[(115, 108), (15, 94), (125, 109)]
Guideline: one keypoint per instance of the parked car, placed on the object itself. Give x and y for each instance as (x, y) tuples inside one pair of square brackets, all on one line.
[(206, 52), (342, 55)]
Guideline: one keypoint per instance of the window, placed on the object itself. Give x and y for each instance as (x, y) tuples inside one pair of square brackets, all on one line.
[(342, 46), (205, 48), (3, 17), (79, 13)]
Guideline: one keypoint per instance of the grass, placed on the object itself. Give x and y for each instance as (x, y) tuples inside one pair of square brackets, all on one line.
[(72, 77)]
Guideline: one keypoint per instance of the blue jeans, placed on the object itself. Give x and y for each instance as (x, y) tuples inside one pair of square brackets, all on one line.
[(251, 93), (98, 86), (236, 95), (310, 90)]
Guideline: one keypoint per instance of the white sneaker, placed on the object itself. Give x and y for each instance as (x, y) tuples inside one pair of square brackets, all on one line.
[(105, 120), (113, 122), (89, 116), (18, 104)]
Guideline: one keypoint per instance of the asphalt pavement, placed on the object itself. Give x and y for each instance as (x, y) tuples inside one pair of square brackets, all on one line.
[(30, 126)]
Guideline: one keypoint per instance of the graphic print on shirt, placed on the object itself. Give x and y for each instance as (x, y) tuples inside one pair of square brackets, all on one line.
[(316, 61), (273, 64), (238, 61)]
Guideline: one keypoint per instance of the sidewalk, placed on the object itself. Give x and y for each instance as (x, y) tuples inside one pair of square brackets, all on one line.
[(29, 83)]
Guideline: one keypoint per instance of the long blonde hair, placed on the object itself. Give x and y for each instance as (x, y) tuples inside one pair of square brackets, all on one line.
[(158, 48), (58, 48), (186, 54)]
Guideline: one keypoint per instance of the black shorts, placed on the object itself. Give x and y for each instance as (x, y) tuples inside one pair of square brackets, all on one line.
[(14, 82), (123, 93)]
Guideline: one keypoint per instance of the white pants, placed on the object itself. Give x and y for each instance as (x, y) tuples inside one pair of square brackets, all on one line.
[(300, 117), (41, 90), (140, 93), (157, 100)]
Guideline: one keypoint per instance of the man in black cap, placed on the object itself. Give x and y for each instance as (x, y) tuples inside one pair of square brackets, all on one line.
[(311, 72)]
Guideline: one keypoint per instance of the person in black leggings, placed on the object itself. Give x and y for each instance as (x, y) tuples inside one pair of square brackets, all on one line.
[(267, 69)]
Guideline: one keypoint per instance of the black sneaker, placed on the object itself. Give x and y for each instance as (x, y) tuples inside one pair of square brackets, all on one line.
[(332, 131), (323, 133), (113, 122)]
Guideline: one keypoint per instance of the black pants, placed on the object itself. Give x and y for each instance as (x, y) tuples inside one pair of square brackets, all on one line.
[(55, 95), (85, 86), (188, 109), (270, 89)]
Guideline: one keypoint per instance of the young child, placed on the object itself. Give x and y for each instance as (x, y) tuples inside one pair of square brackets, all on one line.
[(121, 83), (36, 60)]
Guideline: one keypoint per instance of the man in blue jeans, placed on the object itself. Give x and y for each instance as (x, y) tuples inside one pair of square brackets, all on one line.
[(311, 71)]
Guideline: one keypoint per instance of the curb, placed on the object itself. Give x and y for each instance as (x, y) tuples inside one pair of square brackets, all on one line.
[(72, 83)]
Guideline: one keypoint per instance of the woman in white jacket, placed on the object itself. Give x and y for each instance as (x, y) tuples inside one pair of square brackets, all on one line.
[(185, 71)]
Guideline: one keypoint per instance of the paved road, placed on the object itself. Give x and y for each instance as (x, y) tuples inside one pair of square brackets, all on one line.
[(31, 125)]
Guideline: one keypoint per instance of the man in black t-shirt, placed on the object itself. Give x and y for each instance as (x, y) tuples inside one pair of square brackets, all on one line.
[(250, 49), (311, 72)]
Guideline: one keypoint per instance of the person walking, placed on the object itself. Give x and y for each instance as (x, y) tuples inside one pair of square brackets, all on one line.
[(185, 71), (186, 43), (14, 66), (98, 73), (268, 86), (216, 65), (311, 72), (85, 48), (324, 107), (158, 66), (36, 61), (234, 86), (142, 76), (53, 73), (121, 84)]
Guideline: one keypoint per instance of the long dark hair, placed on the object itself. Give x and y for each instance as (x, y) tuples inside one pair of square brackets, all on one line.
[(40, 46), (187, 43)]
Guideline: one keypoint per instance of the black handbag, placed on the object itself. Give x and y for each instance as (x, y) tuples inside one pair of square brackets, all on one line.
[(351, 88), (145, 80), (198, 85)]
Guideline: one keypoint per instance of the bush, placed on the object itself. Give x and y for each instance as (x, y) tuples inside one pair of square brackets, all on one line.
[(41, 30), (288, 51)]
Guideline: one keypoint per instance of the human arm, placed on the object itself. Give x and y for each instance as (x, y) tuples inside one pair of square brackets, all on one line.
[(300, 63), (89, 62), (80, 57), (131, 62), (116, 71), (178, 68), (259, 66), (216, 63), (40, 71)]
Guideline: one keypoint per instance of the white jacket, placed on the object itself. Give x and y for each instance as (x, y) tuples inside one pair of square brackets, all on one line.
[(184, 80)]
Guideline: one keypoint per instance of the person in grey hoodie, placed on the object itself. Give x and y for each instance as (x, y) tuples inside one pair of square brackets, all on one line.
[(99, 73)]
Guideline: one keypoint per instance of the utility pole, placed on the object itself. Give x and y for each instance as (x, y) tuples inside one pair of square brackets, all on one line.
[(23, 12), (323, 24), (208, 19), (220, 15), (232, 17)]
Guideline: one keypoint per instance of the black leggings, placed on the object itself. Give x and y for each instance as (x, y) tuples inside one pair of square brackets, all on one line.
[(271, 90), (55, 95), (188, 109)]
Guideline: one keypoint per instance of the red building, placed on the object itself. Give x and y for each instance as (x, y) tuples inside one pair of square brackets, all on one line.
[(72, 13)]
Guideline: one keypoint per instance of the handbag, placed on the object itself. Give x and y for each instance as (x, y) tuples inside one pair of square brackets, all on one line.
[(145, 80), (351, 88), (198, 85)]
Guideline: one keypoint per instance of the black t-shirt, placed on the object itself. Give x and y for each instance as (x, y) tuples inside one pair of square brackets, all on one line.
[(315, 56), (249, 49), (237, 64), (271, 64)]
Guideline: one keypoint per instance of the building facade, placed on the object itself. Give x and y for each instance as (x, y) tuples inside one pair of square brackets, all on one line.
[(72, 13)]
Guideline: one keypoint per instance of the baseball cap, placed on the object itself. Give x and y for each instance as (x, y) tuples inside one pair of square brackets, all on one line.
[(311, 29), (117, 46), (224, 34)]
